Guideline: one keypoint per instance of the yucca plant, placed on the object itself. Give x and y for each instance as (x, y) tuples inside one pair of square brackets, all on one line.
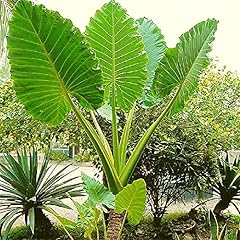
[(26, 185), (117, 61), (227, 186)]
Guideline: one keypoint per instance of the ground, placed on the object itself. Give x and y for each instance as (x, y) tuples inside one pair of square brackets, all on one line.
[(88, 169)]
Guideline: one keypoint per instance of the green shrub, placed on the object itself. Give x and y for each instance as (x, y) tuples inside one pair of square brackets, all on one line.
[(173, 216), (24, 232), (85, 156), (173, 167), (57, 155), (219, 232), (20, 232), (232, 218)]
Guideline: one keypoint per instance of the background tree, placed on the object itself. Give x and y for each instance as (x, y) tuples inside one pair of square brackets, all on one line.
[(214, 111), (5, 14), (18, 129), (182, 154)]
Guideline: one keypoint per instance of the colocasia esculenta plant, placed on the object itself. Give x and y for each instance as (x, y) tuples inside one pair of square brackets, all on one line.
[(118, 61)]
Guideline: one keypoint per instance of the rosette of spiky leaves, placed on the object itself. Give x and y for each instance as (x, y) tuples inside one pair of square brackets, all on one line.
[(227, 186), (27, 185)]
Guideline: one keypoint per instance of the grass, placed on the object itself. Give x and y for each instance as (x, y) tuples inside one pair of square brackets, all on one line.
[(173, 216), (20, 232)]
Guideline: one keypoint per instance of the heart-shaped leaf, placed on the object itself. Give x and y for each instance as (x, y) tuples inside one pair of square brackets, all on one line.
[(114, 38), (132, 200), (98, 194), (155, 47), (51, 63)]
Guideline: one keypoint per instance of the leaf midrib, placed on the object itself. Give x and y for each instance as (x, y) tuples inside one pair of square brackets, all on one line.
[(113, 58), (62, 86), (190, 70)]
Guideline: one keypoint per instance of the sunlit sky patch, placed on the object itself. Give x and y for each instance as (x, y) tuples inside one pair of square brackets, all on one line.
[(173, 17)]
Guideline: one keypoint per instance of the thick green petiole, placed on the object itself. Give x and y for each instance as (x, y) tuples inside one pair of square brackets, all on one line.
[(135, 156)]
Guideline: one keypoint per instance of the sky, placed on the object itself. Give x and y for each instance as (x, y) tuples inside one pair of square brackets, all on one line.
[(173, 17)]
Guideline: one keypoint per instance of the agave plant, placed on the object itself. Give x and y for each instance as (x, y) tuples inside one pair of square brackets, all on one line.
[(227, 186), (26, 185), (117, 61)]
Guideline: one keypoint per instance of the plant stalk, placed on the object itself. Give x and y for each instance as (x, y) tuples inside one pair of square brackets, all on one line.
[(122, 226), (124, 140), (104, 226), (108, 164), (135, 156), (101, 134)]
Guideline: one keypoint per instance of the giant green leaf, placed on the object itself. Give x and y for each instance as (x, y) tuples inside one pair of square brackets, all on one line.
[(51, 63), (182, 66), (114, 38), (132, 200), (98, 194), (155, 47)]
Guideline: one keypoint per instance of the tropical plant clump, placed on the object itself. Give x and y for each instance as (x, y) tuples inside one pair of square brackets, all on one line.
[(130, 203), (117, 61)]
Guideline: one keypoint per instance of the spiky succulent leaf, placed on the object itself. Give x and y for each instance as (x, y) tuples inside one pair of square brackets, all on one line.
[(213, 226), (155, 47), (31, 219), (182, 66), (26, 185), (132, 200), (50, 63), (114, 38)]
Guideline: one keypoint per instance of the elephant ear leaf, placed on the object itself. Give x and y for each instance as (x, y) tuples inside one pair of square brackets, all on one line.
[(98, 194), (155, 47), (51, 63), (132, 200), (181, 67), (114, 37)]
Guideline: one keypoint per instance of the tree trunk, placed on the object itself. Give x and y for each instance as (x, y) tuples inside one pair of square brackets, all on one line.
[(43, 226), (221, 205), (114, 225), (226, 198)]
